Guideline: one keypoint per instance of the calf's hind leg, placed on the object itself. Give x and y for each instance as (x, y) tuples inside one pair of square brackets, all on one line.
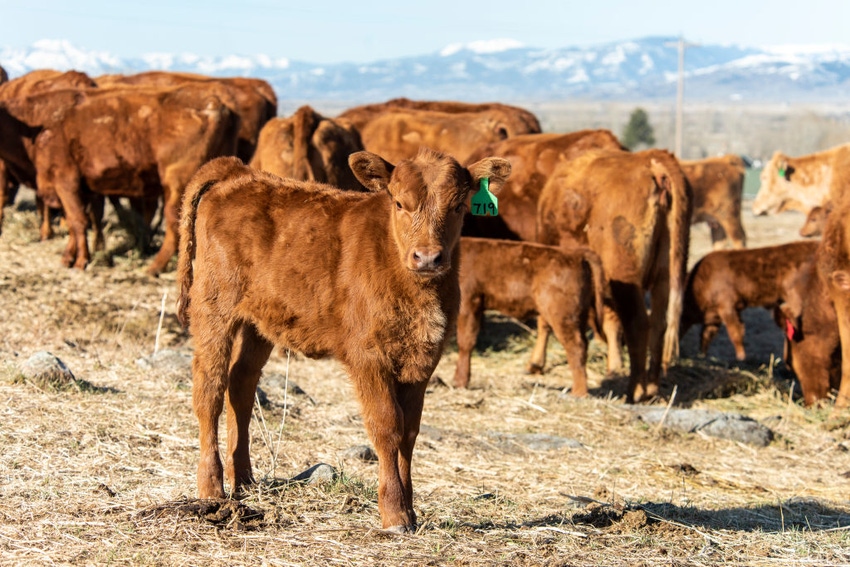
[(250, 353), (210, 367)]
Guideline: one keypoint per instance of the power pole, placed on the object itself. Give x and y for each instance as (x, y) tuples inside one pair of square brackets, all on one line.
[(680, 91)]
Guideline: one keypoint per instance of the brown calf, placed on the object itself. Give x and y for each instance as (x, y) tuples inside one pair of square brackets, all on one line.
[(725, 282), (369, 278), (521, 279)]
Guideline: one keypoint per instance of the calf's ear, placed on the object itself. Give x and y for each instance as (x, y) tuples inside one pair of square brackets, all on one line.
[(496, 169), (371, 170)]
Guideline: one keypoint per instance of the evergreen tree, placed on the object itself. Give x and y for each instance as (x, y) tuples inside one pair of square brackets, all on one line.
[(638, 131)]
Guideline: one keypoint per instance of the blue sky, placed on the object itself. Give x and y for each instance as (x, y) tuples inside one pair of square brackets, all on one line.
[(365, 30)]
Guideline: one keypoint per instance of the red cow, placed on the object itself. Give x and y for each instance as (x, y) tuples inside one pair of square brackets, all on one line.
[(520, 279), (370, 278)]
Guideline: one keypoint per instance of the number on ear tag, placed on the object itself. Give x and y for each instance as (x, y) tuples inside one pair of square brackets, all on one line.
[(484, 203)]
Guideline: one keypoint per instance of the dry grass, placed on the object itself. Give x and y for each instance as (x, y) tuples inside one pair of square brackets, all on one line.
[(104, 473)]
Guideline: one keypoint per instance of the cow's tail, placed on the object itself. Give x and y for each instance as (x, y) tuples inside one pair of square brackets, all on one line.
[(203, 180), (601, 291), (677, 195), (304, 124)]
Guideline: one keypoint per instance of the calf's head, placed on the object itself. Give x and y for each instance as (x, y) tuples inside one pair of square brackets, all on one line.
[(428, 198)]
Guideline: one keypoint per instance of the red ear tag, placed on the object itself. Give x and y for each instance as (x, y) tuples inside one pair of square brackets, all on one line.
[(790, 332)]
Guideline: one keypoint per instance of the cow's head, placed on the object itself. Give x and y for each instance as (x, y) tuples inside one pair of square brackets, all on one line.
[(428, 200), (776, 190)]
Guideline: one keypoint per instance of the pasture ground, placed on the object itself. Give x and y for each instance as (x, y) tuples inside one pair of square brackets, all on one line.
[(102, 471)]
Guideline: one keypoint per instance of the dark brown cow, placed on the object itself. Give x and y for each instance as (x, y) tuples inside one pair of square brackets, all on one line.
[(397, 131), (634, 210), (254, 99), (812, 342), (533, 158), (309, 147), (19, 169), (521, 279), (370, 278), (725, 282), (4, 76), (127, 142), (815, 221), (833, 265), (718, 186)]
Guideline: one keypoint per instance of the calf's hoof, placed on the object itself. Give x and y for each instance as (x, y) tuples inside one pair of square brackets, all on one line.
[(400, 530), (534, 369)]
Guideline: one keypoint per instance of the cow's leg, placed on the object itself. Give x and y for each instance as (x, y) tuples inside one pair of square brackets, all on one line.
[(842, 309), (735, 328), (735, 231), (171, 213), (468, 325), (4, 191), (68, 190), (411, 398), (95, 210), (709, 331), (250, 353), (658, 300), (632, 312), (571, 335), (718, 235), (45, 228), (385, 423), (210, 366), (613, 329), (538, 355)]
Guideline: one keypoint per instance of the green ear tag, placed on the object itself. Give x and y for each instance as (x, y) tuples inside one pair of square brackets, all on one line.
[(781, 172), (485, 203)]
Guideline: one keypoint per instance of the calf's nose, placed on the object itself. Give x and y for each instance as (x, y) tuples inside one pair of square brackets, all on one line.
[(426, 260)]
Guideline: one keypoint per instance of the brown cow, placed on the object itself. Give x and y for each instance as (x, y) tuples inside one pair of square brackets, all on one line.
[(397, 130), (254, 100), (725, 282), (309, 147), (4, 76), (801, 183), (718, 186), (533, 158), (833, 265), (812, 342), (522, 279), (19, 169), (633, 210), (815, 221), (518, 120), (370, 278), (127, 142)]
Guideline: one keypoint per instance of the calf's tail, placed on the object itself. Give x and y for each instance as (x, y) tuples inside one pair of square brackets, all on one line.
[(203, 180)]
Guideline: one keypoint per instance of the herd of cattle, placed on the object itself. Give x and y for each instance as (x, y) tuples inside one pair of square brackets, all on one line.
[(343, 236)]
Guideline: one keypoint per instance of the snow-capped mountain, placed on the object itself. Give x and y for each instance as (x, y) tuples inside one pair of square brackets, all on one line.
[(504, 70)]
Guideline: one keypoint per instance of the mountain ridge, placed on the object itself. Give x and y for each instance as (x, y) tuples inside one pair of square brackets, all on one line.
[(506, 70)]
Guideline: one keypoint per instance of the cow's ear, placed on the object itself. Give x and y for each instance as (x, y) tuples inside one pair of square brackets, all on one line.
[(496, 169), (841, 279), (371, 170)]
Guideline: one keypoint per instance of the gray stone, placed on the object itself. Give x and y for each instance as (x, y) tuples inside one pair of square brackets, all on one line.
[(317, 474), (732, 426), (169, 362), (362, 453), (47, 371)]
